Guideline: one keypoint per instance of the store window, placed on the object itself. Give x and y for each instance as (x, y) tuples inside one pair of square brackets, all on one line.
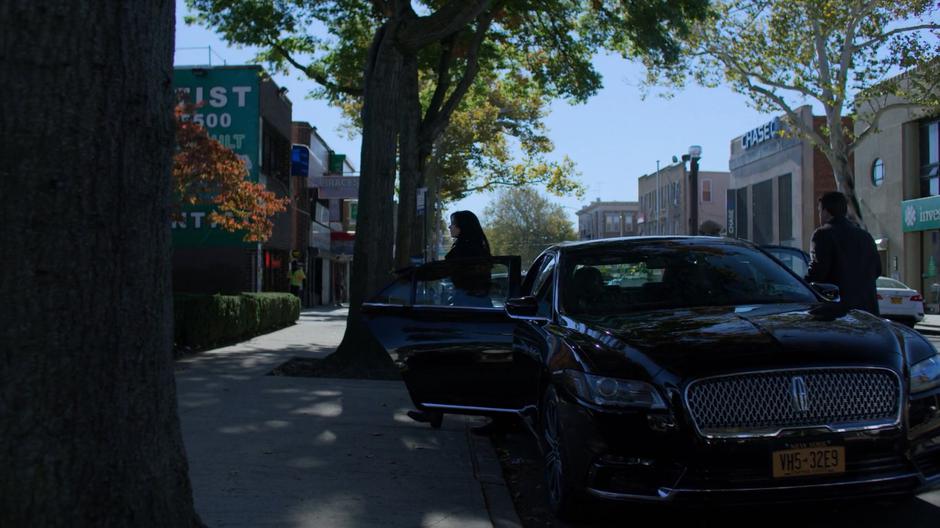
[(762, 220), (877, 172), (741, 210), (612, 222), (706, 191), (785, 207)]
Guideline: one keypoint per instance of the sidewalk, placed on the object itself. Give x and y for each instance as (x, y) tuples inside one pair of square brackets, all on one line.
[(930, 324), (278, 451)]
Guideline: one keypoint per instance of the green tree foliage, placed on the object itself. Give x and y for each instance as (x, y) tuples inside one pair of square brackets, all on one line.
[(843, 55), (520, 221)]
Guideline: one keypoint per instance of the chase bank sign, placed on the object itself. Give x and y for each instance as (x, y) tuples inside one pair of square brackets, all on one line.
[(761, 134)]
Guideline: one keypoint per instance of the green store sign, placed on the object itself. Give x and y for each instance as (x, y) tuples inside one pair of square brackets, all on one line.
[(230, 110), (922, 214)]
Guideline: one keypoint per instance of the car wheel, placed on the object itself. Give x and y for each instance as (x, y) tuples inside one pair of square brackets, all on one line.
[(564, 496)]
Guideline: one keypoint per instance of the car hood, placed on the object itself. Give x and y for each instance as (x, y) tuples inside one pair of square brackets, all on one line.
[(688, 343)]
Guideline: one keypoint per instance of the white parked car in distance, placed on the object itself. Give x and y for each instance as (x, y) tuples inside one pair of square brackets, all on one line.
[(898, 302)]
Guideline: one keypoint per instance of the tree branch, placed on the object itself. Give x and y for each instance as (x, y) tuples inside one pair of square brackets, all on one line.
[(318, 77), (825, 76), (808, 131), (446, 21), (761, 78), (443, 79), (726, 57), (432, 129), (848, 46), (885, 36)]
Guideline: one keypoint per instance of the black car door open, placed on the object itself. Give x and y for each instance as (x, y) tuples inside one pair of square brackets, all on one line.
[(452, 338)]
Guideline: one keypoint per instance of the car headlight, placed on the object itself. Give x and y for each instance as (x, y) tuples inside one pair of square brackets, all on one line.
[(612, 392), (926, 374)]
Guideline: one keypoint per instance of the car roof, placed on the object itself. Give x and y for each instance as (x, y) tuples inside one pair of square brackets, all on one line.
[(636, 240)]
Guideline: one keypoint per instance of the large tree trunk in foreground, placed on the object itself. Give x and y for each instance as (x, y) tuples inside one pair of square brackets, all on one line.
[(409, 171), (89, 433), (372, 256)]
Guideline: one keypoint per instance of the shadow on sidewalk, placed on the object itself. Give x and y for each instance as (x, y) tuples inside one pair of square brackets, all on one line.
[(276, 451)]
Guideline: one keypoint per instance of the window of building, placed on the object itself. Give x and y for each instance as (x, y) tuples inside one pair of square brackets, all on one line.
[(676, 193), (930, 158), (762, 212), (741, 212), (785, 206), (612, 222), (877, 172), (706, 191)]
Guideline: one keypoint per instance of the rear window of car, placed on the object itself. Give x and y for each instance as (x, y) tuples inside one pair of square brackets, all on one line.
[(607, 280), (885, 282)]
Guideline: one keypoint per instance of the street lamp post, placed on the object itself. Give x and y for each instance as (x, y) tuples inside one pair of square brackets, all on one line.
[(695, 152)]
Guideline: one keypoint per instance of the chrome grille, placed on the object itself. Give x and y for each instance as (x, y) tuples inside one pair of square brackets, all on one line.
[(765, 402)]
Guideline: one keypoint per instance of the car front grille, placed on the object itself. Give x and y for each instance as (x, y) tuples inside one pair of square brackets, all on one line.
[(763, 403)]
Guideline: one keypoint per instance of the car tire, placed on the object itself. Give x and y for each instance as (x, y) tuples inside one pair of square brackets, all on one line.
[(564, 495)]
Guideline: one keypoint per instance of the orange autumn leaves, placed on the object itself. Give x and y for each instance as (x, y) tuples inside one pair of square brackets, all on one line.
[(205, 172)]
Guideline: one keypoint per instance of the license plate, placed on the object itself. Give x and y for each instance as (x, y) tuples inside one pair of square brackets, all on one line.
[(809, 461), (896, 300)]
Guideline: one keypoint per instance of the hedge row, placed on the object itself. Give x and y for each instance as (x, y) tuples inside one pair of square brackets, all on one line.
[(203, 320)]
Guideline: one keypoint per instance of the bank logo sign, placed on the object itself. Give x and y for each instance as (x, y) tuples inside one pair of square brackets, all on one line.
[(922, 214), (767, 131)]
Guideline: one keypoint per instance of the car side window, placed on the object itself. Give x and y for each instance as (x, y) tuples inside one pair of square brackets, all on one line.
[(544, 287), (477, 282), (531, 275), (397, 293), (545, 297), (545, 271)]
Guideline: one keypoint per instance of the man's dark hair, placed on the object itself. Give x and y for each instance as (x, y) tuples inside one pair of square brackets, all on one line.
[(835, 203)]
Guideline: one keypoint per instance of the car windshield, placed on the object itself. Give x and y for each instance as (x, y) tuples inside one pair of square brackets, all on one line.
[(609, 280), (885, 282), (792, 258)]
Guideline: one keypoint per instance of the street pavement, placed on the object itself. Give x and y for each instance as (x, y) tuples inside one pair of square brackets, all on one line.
[(312, 452), (930, 324)]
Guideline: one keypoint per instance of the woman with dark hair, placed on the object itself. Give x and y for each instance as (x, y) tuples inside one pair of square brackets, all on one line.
[(469, 239), (471, 281)]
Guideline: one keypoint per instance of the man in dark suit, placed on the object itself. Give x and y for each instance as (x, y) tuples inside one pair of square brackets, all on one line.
[(845, 255)]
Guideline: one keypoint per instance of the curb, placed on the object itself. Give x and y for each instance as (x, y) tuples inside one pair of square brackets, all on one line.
[(928, 330), (489, 473)]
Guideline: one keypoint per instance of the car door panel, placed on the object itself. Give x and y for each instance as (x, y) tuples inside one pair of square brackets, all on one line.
[(452, 357)]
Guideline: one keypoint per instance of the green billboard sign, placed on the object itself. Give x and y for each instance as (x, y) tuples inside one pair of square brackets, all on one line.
[(921, 214), (228, 106)]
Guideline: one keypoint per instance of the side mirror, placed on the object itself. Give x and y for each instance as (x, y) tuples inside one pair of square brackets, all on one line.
[(524, 308), (829, 291)]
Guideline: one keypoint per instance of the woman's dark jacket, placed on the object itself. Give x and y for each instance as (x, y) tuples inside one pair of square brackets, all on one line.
[(467, 273)]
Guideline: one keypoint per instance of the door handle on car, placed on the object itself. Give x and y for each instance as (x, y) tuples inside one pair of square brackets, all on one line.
[(496, 355)]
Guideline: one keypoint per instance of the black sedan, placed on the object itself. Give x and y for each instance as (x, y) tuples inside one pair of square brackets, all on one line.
[(674, 369)]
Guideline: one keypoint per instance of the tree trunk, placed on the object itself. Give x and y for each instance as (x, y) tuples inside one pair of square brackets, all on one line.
[(841, 168), (431, 177), (372, 254), (409, 169), (89, 433)]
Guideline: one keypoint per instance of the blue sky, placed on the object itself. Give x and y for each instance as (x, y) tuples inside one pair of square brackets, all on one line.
[(614, 138)]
